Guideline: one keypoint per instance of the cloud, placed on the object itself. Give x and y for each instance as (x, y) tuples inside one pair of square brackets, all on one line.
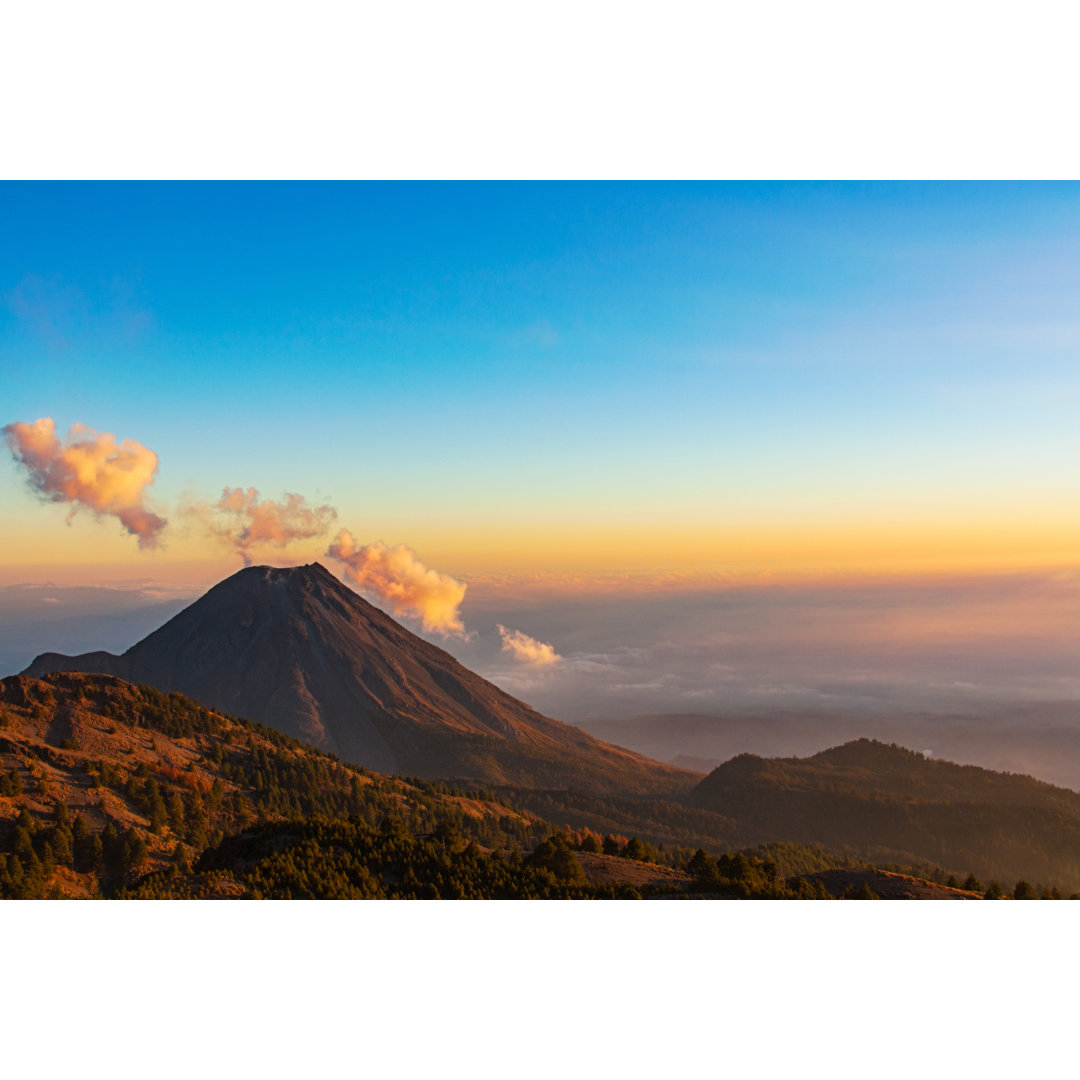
[(396, 575), (89, 470), (527, 649), (244, 521)]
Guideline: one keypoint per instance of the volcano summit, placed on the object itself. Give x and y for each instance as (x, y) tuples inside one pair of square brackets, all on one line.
[(297, 650)]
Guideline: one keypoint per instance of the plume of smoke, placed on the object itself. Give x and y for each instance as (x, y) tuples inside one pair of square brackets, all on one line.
[(396, 575), (527, 649), (89, 470), (244, 521)]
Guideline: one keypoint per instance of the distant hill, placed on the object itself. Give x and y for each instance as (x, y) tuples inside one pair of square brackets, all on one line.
[(894, 805), (1039, 738), (297, 650)]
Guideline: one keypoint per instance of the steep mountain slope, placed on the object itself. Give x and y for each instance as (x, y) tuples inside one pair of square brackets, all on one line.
[(299, 651), (889, 803), (102, 782)]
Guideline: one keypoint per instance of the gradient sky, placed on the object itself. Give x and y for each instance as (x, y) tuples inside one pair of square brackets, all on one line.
[(561, 378)]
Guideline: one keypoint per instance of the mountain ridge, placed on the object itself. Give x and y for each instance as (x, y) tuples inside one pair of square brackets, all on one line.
[(889, 802), (298, 650)]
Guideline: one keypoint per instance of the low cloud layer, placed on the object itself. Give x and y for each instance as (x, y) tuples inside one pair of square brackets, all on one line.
[(836, 648), (396, 576), (244, 521), (77, 619), (527, 649), (91, 471)]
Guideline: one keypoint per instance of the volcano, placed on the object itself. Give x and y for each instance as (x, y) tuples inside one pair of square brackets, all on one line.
[(297, 650)]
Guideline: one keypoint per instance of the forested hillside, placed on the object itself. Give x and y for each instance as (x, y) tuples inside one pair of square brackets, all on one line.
[(888, 804), (102, 781)]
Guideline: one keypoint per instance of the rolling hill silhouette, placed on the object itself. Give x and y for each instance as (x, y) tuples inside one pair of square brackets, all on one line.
[(297, 650), (889, 803)]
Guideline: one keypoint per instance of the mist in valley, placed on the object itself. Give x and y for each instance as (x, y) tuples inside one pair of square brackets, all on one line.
[(981, 670)]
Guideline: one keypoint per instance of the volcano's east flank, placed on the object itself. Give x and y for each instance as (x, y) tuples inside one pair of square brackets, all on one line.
[(298, 650)]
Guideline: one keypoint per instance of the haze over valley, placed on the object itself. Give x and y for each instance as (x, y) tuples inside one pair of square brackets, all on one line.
[(981, 670)]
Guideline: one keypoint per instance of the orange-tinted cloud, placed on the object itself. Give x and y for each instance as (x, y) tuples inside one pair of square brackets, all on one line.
[(89, 470), (396, 575), (527, 649), (244, 521)]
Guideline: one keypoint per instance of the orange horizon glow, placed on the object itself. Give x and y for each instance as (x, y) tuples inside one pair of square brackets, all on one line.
[(88, 552)]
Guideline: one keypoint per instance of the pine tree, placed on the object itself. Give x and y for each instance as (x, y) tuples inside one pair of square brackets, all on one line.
[(702, 868), (175, 807), (110, 844), (80, 843), (22, 842), (61, 846), (96, 858)]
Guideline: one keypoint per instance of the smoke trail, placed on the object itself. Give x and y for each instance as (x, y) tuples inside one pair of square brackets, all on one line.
[(89, 470), (244, 521), (527, 649), (397, 576)]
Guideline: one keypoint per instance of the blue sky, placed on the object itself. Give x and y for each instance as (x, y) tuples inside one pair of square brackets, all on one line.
[(576, 357)]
